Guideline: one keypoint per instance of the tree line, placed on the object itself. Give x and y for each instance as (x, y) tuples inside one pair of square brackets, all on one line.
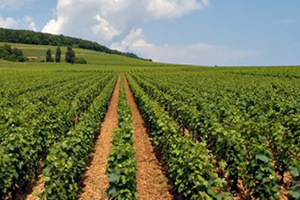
[(70, 56), (11, 54), (14, 54), (31, 37)]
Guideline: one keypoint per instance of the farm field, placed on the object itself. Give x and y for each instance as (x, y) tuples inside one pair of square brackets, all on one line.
[(131, 129)]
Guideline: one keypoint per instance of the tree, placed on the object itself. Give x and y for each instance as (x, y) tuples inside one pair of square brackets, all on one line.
[(70, 55), (31, 37), (80, 60), (49, 56), (18, 55), (7, 53), (1, 52), (58, 54)]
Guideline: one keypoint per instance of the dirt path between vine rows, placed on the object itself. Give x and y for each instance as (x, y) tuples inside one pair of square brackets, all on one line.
[(96, 181), (151, 182)]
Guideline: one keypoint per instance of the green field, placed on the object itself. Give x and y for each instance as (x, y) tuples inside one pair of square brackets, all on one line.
[(243, 124), (95, 59)]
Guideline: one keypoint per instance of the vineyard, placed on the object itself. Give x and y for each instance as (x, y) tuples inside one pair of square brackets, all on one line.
[(213, 133)]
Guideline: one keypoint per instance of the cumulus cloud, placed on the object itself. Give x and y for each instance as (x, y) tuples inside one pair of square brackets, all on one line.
[(30, 22), (108, 21), (104, 28), (25, 23), (133, 39), (116, 23), (53, 26), (199, 54), (141, 43), (13, 4), (174, 8), (8, 22)]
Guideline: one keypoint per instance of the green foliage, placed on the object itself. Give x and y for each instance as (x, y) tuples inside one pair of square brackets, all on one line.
[(295, 187), (58, 55), (250, 161), (121, 166), (80, 60), (50, 102), (70, 55), (66, 162), (189, 164), (248, 117), (31, 37), (49, 56), (244, 119), (7, 53)]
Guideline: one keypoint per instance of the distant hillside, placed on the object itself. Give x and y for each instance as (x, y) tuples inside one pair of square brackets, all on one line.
[(31, 37)]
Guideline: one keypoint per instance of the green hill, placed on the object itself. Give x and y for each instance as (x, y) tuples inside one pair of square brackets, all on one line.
[(95, 59), (35, 44), (31, 37)]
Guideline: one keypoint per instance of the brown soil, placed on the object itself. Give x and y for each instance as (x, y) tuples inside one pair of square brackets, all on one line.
[(96, 181), (287, 180), (28, 47), (38, 189), (32, 189), (242, 192), (184, 131), (151, 182)]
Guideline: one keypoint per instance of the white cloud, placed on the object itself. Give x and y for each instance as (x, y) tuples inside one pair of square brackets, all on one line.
[(116, 23), (104, 28), (53, 26), (141, 43), (30, 22), (25, 23), (108, 21), (174, 8), (133, 39), (8, 22), (14, 4), (200, 53)]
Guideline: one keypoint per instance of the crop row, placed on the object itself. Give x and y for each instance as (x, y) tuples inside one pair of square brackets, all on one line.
[(66, 162), (29, 134), (234, 138), (41, 105), (189, 163), (226, 146), (47, 93), (121, 166), (12, 88)]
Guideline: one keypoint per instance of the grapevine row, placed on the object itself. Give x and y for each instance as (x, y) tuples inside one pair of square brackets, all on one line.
[(188, 163), (66, 162), (121, 166), (29, 141), (261, 109), (249, 161)]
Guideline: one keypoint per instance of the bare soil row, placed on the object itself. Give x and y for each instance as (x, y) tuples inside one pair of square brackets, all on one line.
[(151, 181)]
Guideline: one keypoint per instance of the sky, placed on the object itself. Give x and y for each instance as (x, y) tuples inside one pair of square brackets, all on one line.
[(201, 32)]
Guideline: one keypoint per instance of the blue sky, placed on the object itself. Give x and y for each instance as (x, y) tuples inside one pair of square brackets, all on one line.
[(204, 32)]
